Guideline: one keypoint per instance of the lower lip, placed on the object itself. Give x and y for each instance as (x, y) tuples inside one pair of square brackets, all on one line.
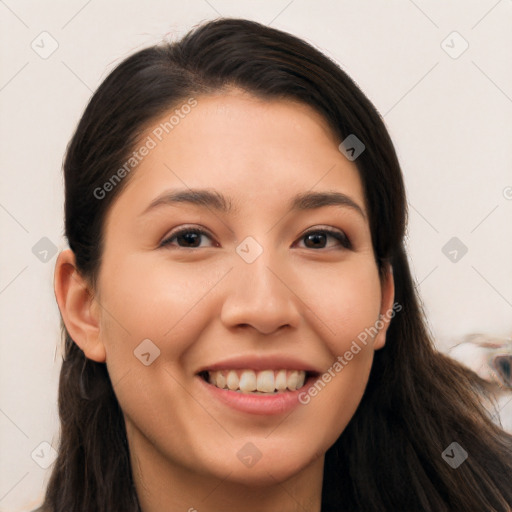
[(257, 404)]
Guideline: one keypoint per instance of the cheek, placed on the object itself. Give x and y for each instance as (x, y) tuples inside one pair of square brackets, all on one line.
[(347, 302), (170, 300), (165, 302), (343, 301), (336, 394), (173, 304), (149, 298)]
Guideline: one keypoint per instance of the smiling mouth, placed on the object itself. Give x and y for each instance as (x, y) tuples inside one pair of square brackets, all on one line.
[(265, 382)]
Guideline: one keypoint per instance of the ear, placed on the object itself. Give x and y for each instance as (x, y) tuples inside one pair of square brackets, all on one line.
[(387, 312), (77, 306)]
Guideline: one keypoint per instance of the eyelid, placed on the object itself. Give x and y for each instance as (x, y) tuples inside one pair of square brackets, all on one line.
[(336, 233), (185, 229)]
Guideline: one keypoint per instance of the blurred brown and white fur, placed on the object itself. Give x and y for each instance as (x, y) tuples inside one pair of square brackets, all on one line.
[(491, 359)]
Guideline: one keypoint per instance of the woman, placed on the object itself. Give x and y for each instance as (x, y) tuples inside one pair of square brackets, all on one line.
[(285, 365)]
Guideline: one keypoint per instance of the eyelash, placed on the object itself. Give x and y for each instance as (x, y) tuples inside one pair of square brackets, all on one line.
[(338, 235)]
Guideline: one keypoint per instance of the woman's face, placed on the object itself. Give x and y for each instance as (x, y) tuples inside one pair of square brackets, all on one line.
[(265, 289)]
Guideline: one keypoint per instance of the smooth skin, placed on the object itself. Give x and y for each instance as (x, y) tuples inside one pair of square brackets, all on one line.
[(200, 303)]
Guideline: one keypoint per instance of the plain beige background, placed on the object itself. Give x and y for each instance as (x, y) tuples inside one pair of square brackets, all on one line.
[(449, 113)]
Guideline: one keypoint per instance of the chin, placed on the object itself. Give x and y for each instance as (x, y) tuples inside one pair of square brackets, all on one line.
[(263, 471)]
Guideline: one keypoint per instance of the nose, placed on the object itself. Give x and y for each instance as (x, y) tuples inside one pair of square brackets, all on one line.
[(258, 295)]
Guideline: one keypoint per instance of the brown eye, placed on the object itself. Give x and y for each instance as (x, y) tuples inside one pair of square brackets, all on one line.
[(188, 238), (316, 239)]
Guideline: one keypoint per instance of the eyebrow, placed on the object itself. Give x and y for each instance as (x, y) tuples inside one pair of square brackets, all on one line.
[(213, 199)]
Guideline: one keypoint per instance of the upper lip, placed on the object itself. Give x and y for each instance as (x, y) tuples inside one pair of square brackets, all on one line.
[(268, 362)]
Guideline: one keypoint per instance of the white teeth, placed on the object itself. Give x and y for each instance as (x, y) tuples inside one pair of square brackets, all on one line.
[(293, 380), (266, 381), (232, 380), (280, 380), (301, 379), (221, 380), (247, 381)]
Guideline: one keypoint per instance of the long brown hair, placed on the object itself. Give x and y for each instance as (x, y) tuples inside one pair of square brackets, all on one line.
[(417, 401)]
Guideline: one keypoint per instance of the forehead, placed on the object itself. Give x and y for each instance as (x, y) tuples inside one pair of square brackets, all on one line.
[(255, 151)]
